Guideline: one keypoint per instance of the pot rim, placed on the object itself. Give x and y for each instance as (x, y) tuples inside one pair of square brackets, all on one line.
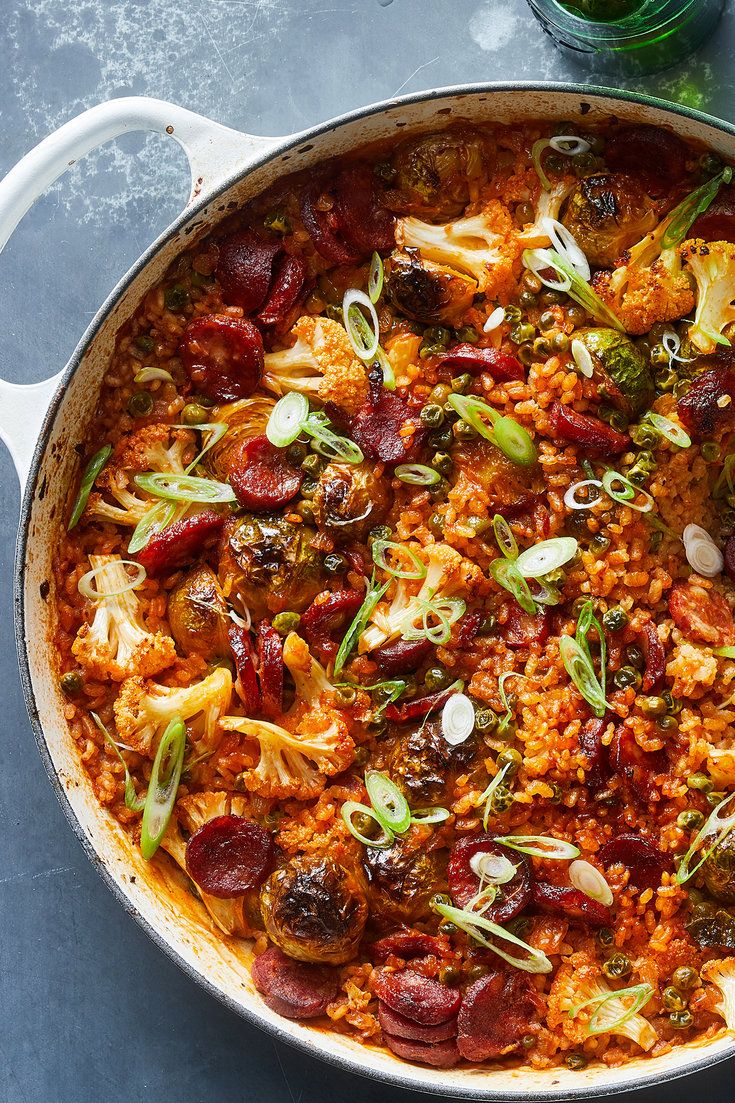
[(310, 1042)]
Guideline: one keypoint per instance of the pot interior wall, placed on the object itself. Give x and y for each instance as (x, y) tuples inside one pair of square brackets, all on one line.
[(171, 915)]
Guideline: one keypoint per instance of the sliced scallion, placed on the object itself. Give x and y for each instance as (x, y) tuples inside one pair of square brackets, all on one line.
[(389, 803), (133, 802), (364, 336), (579, 667), (350, 809), (437, 617), (495, 868), (86, 589), (458, 719), (546, 556), (184, 488), (715, 825), (588, 879), (568, 280), (386, 550), (504, 538), (375, 278), (91, 471), (670, 430), (287, 419), (506, 434), (540, 846), (507, 575), (373, 595), (622, 490), (417, 474), (328, 443), (434, 814), (485, 798), (534, 961), (163, 786), (696, 203), (606, 1020), (158, 518), (148, 375)]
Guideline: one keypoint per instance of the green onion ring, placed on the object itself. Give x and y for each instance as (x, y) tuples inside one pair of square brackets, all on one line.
[(578, 665), (363, 336), (184, 488), (487, 795), (506, 434), (380, 547), (504, 538), (287, 419), (389, 376), (670, 430), (163, 786), (389, 803), (473, 924), (351, 808), (85, 582), (91, 471), (330, 444), (713, 825), (417, 474), (147, 375), (568, 280), (373, 595), (641, 993), (546, 556), (536, 150), (158, 518), (375, 278), (540, 846), (507, 575), (625, 496), (434, 814), (447, 611)]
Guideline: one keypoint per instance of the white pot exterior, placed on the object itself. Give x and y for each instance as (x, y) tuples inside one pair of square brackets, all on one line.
[(172, 917)]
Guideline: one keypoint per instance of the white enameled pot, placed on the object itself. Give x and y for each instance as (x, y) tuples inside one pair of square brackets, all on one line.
[(41, 423)]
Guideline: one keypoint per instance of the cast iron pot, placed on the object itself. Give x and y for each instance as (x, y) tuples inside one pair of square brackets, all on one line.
[(41, 423)]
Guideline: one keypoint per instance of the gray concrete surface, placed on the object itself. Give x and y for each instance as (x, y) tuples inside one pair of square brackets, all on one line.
[(89, 1009)]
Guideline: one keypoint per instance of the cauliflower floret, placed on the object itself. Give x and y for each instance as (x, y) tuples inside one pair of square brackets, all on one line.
[(144, 708), (548, 205), (722, 974), (649, 286), (295, 763), (581, 980), (321, 363), (449, 576), (193, 812), (152, 448), (484, 246), (712, 264), (117, 644)]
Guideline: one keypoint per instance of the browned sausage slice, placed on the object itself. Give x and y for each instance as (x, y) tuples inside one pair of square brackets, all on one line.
[(464, 883), (262, 477), (229, 855), (223, 356), (393, 1023), (421, 999), (293, 988), (440, 1055), (497, 1011)]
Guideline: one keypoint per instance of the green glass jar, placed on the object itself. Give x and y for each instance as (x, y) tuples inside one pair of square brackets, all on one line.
[(627, 37)]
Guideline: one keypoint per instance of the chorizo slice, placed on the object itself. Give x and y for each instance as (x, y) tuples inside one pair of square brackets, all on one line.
[(655, 657), (598, 769), (655, 157), (421, 999), (717, 223), (328, 614), (497, 1011), (523, 629), (464, 883), (288, 289), (699, 409), (294, 989), (386, 429), (571, 903), (270, 669), (702, 614), (363, 221), (407, 945), (588, 432), (262, 477), (644, 860), (440, 1055), (500, 365), (393, 1023), (246, 684), (181, 543), (223, 356), (229, 855), (245, 267), (401, 656)]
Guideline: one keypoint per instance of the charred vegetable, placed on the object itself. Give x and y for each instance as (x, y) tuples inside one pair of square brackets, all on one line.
[(427, 292), (712, 926), (349, 501), (624, 374), (402, 879), (420, 760), (607, 213), (441, 172), (719, 871), (315, 910), (268, 564), (197, 614)]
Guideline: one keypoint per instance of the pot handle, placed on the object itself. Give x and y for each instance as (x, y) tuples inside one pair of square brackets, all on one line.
[(214, 151)]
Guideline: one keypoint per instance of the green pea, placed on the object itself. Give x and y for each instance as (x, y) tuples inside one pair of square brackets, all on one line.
[(645, 436), (689, 820), (313, 465), (605, 937), (441, 439), (684, 978), (380, 532), (659, 356), (700, 782), (309, 488), (511, 758), (522, 333), (432, 415), (449, 974), (437, 678), (513, 314), (145, 343), (575, 1061), (194, 414), (627, 676), (463, 431), (485, 720), (547, 321), (710, 451), (531, 282), (501, 799), (436, 524), (526, 354), (461, 383), (140, 404), (528, 1041), (527, 299), (175, 297), (286, 622), (468, 335), (477, 972), (442, 462), (576, 315), (635, 656), (440, 899), (714, 798), (617, 966), (673, 704), (681, 1020), (599, 544), (440, 393), (523, 214), (551, 298), (488, 625), (346, 695), (615, 619), (278, 222), (334, 563), (542, 348), (668, 724), (652, 706), (296, 453), (305, 510), (559, 342), (71, 683)]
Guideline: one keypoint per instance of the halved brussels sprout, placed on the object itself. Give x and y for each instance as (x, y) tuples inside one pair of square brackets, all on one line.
[(607, 213), (427, 292), (623, 372)]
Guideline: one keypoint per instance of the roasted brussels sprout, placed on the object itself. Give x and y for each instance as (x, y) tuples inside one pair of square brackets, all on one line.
[(608, 213), (427, 292), (420, 760), (712, 926), (402, 879), (349, 501), (315, 910), (197, 615), (508, 487), (623, 372), (441, 172), (269, 564), (719, 871), (244, 419)]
